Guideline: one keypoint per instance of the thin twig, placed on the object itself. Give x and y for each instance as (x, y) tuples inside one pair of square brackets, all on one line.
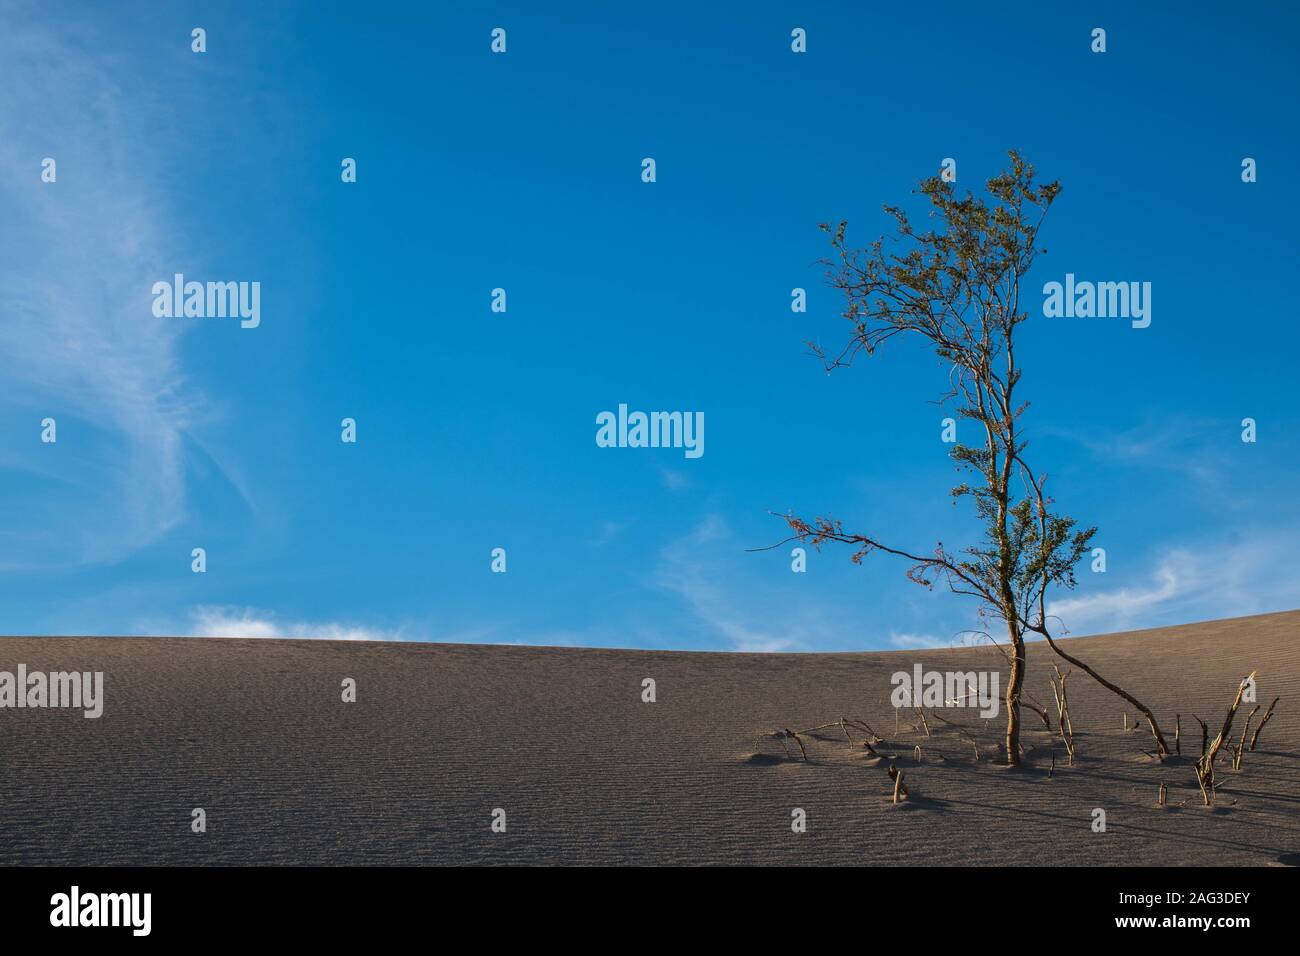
[(1267, 714)]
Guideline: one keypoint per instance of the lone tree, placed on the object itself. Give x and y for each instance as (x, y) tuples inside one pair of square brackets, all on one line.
[(957, 288)]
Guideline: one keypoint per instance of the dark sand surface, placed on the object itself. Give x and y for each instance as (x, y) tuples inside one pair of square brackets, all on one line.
[(254, 732)]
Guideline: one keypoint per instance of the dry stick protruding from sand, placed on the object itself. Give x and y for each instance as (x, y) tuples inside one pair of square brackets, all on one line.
[(1240, 749), (791, 733), (1038, 709), (1205, 766), (1260, 726), (1064, 724), (1178, 733), (1060, 711), (1163, 792), (812, 730), (1232, 712), (863, 726), (780, 735), (844, 723), (870, 738), (924, 723), (1207, 799), (896, 775)]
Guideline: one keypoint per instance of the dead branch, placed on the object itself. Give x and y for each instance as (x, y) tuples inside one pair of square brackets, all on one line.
[(1205, 766), (1033, 704), (870, 735), (863, 726), (900, 791), (1207, 786), (1240, 749), (1205, 734), (792, 734), (1227, 720), (1267, 714), (1064, 724), (812, 730)]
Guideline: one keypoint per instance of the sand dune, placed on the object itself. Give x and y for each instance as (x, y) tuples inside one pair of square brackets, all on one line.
[(255, 732)]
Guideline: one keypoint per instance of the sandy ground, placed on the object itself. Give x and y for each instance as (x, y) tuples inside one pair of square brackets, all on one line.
[(255, 732)]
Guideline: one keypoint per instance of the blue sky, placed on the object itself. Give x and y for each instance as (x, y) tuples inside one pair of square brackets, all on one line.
[(476, 429)]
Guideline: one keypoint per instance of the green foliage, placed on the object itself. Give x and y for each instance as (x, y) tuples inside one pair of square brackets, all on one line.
[(956, 286)]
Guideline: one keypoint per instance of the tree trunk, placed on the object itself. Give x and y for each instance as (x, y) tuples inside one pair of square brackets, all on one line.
[(1014, 684)]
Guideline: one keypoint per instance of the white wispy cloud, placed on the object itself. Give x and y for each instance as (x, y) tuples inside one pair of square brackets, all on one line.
[(693, 568), (1252, 574), (917, 641), (674, 480), (910, 642), (1190, 447), (220, 621), (607, 532), (78, 342), (721, 615)]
